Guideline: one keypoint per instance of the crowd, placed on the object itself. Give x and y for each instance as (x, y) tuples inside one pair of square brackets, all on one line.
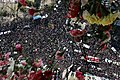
[(49, 35)]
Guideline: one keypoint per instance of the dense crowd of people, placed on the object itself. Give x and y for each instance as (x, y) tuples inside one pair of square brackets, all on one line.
[(48, 35)]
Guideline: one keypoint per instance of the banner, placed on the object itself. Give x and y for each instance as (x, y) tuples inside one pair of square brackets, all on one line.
[(92, 77)]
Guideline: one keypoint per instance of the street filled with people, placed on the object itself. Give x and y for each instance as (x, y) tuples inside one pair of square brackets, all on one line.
[(49, 34)]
